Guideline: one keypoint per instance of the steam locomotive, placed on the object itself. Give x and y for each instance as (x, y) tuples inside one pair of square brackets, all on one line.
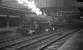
[(37, 23)]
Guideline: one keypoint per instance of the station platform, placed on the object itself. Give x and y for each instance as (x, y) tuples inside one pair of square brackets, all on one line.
[(74, 43)]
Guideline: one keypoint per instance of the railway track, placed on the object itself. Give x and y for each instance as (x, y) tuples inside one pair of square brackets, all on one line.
[(40, 45), (33, 43), (30, 42), (9, 43), (58, 42)]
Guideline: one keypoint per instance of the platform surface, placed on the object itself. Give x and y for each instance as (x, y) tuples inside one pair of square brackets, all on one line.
[(74, 43)]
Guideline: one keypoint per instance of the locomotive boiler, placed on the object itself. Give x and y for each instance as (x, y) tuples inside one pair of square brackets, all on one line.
[(37, 23)]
